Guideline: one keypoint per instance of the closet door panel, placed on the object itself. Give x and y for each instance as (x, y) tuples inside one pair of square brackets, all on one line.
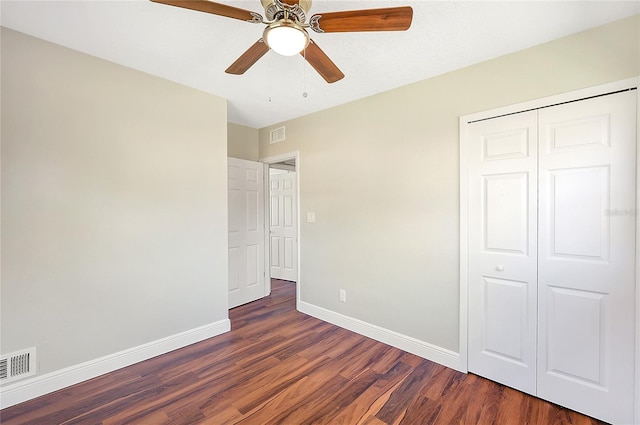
[(586, 256), (502, 250)]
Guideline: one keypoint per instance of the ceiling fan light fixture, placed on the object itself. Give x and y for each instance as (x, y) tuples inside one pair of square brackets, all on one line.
[(286, 37)]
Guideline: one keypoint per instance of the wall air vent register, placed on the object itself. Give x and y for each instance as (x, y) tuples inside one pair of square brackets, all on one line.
[(17, 365)]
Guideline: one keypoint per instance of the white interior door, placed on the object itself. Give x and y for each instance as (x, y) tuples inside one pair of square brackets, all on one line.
[(283, 236), (246, 231), (502, 249), (587, 256)]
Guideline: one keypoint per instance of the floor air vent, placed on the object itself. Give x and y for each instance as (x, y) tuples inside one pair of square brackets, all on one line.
[(277, 135), (18, 364)]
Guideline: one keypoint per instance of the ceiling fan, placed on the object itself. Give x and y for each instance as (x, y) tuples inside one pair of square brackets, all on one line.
[(286, 31)]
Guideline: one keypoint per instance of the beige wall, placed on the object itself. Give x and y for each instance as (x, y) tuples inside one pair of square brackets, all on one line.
[(382, 175), (114, 205), (242, 142)]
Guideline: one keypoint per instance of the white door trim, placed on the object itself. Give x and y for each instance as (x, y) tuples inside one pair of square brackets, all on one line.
[(272, 160), (637, 393), (464, 204)]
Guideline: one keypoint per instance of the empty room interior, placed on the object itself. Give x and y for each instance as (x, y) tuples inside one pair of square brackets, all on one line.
[(425, 214)]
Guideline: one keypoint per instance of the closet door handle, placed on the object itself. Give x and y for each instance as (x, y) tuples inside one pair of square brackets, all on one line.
[(500, 268)]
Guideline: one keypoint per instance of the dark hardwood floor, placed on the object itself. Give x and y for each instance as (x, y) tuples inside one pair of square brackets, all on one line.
[(279, 366)]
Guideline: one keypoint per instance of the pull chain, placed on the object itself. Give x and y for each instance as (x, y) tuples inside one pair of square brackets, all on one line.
[(304, 73), (270, 79)]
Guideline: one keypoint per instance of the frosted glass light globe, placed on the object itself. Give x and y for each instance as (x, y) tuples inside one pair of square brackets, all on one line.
[(286, 37)]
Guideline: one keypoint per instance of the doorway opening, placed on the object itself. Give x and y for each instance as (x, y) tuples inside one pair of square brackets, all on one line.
[(282, 224)]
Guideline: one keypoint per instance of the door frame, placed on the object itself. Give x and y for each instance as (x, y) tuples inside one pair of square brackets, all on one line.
[(295, 155), (631, 83)]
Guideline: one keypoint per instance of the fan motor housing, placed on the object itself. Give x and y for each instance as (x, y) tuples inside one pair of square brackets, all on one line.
[(273, 11)]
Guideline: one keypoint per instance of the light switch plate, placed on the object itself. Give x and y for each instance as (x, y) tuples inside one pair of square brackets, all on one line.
[(311, 217)]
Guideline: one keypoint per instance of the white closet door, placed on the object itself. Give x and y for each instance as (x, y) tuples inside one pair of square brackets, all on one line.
[(502, 249), (246, 231), (587, 256)]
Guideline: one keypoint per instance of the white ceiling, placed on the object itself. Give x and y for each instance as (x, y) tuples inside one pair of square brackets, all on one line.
[(194, 48)]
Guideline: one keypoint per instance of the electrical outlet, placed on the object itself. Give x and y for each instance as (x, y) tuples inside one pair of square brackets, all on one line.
[(343, 295)]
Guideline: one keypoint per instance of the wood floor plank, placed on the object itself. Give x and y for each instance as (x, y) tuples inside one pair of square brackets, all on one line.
[(403, 395), (481, 396), (271, 382), (280, 408), (387, 359), (359, 358), (365, 403), (511, 406), (279, 366), (342, 399), (372, 421), (489, 409), (422, 411)]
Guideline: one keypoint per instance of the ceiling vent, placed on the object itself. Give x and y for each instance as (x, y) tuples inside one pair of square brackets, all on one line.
[(277, 135), (17, 365)]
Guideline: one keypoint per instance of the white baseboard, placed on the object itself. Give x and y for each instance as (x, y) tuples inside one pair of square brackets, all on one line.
[(415, 346), (28, 389)]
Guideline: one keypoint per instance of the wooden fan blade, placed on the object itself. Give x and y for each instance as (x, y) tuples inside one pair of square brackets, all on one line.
[(321, 63), (214, 8), (248, 58), (388, 19)]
